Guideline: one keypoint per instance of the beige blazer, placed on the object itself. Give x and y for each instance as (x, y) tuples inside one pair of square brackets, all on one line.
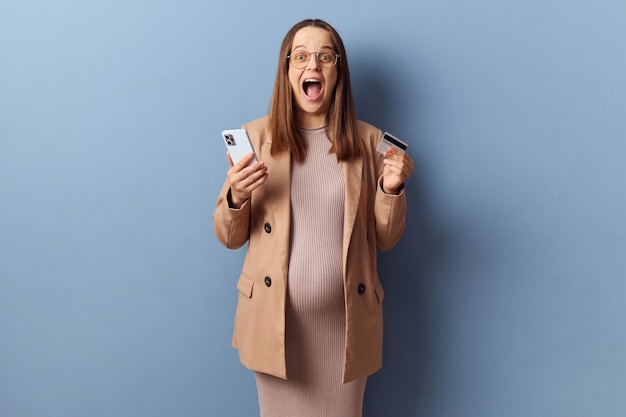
[(372, 220)]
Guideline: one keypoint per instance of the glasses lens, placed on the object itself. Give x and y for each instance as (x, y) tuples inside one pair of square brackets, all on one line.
[(300, 59), (326, 57)]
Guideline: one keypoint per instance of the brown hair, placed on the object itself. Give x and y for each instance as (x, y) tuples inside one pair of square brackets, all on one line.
[(341, 121)]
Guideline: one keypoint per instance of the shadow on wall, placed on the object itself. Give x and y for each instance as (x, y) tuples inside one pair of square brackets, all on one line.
[(407, 385)]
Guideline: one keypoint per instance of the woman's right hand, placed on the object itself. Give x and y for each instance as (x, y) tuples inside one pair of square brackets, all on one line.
[(244, 179)]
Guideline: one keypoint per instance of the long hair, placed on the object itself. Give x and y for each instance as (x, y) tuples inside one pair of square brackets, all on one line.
[(341, 122)]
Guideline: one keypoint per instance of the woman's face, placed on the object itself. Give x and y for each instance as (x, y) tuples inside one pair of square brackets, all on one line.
[(314, 85)]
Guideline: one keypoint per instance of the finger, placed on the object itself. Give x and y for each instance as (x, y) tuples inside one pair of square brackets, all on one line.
[(403, 171), (251, 170), (401, 159), (393, 170), (389, 153), (240, 170), (245, 188), (393, 163), (396, 160), (249, 175), (258, 180)]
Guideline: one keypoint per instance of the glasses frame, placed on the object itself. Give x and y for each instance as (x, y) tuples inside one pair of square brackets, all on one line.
[(317, 56)]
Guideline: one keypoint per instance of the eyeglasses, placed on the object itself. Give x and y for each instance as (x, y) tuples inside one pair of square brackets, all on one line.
[(326, 57)]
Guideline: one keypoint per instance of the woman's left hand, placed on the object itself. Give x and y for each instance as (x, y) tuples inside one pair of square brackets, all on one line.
[(398, 168)]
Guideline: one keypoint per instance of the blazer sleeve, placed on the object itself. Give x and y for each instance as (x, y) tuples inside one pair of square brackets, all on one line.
[(390, 213), (231, 226), (389, 210)]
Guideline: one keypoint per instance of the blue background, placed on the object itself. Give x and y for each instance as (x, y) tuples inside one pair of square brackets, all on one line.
[(504, 298)]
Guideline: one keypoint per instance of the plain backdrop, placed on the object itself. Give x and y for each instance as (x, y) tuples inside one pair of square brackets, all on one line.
[(505, 296)]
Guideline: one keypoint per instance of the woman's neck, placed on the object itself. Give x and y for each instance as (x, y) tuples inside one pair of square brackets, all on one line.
[(311, 121)]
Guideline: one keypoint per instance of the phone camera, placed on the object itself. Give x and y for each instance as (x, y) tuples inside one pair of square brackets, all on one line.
[(230, 140)]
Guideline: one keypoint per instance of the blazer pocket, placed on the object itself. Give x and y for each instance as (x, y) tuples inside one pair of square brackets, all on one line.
[(380, 293), (245, 286)]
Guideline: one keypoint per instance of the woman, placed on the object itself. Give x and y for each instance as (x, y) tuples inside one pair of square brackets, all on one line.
[(314, 210)]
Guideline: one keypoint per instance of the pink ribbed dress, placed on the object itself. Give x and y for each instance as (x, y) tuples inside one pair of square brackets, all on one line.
[(315, 314)]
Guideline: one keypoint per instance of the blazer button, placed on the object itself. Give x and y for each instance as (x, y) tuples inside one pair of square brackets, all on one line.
[(268, 281), (268, 228), (361, 288)]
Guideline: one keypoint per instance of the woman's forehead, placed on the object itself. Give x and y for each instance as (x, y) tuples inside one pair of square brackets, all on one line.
[(311, 36)]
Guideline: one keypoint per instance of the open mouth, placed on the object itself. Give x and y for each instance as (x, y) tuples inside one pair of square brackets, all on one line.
[(312, 88)]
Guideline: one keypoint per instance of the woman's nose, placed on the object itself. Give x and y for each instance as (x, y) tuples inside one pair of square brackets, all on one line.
[(313, 61)]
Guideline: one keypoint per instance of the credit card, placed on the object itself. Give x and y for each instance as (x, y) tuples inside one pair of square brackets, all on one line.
[(389, 140)]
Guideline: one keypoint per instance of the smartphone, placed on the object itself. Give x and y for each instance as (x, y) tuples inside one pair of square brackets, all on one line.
[(388, 140), (238, 144)]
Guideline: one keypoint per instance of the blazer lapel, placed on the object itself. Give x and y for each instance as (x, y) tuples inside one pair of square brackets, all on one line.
[(352, 174), (277, 191)]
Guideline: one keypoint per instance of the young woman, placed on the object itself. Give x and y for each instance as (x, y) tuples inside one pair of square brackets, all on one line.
[(313, 210)]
